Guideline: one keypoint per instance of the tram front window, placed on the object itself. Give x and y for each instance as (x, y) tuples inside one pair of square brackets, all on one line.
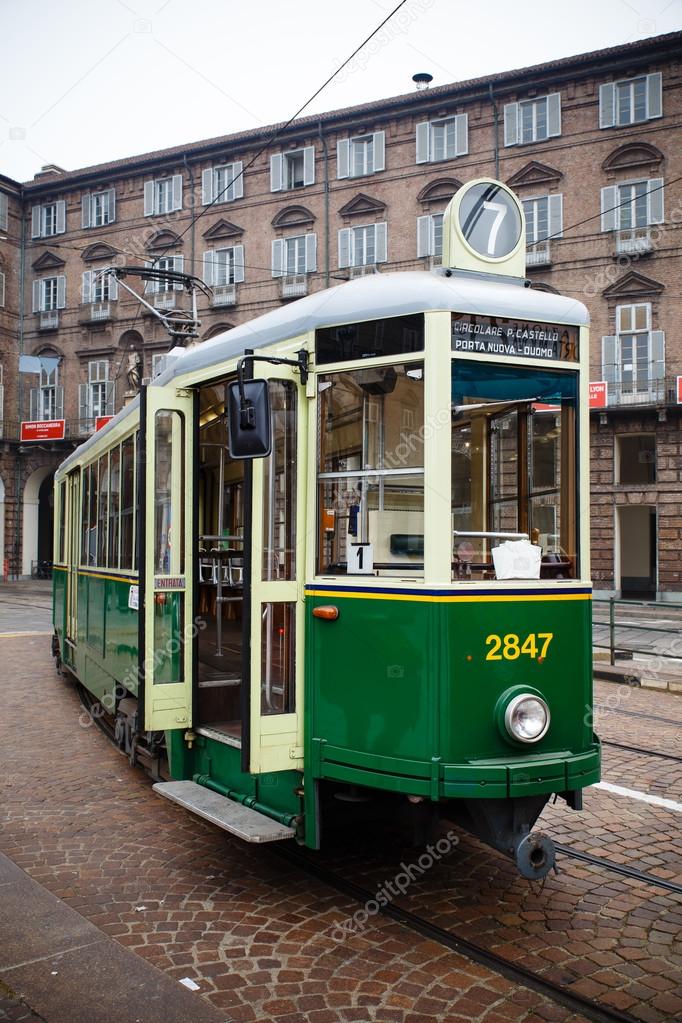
[(371, 471), (513, 465)]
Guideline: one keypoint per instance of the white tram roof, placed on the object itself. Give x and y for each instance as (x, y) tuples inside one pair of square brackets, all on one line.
[(371, 297)]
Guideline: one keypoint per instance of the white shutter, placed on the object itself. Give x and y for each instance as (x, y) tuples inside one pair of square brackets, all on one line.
[(423, 137), (86, 207), (607, 105), (556, 215), (511, 124), (238, 175), (278, 253), (37, 295), (310, 253), (3, 212), (209, 256), (554, 114), (61, 291), (342, 158), (59, 402), (609, 215), (424, 235), (380, 243), (112, 205), (36, 221), (2, 300), (177, 191), (86, 289), (150, 287), (379, 148), (110, 398), (33, 404), (461, 134), (657, 369), (608, 360), (309, 165), (238, 264), (655, 201), (113, 287), (178, 266), (149, 204), (345, 248), (83, 403), (654, 99), (61, 216), (207, 187), (276, 172)]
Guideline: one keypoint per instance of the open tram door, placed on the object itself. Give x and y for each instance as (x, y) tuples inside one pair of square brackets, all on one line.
[(166, 514)]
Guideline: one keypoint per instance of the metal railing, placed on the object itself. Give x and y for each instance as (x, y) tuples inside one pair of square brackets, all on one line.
[(538, 254), (652, 392), (613, 618), (635, 241)]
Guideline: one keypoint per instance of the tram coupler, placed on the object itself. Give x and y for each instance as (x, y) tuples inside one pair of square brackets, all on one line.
[(535, 856)]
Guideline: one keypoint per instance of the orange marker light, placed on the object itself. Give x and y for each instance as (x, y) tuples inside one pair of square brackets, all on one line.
[(327, 612)]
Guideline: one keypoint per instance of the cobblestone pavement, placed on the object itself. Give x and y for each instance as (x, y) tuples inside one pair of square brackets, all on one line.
[(26, 606), (258, 937)]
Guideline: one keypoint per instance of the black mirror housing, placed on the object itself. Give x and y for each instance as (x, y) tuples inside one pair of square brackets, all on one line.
[(249, 420)]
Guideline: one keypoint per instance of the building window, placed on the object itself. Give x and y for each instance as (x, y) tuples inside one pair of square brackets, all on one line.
[(630, 101), (172, 263), (163, 195), (97, 396), (364, 154), (98, 208), (49, 294), (430, 235), (224, 266), (633, 360), (544, 222), (222, 184), (48, 219), (47, 400), (631, 205), (636, 458), (292, 256), (295, 169), (363, 246), (98, 287), (532, 120), (442, 140)]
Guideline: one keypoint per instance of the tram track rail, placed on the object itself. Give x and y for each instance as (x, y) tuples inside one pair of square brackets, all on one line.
[(642, 752), (620, 868)]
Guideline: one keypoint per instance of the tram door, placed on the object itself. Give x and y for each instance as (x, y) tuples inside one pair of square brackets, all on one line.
[(73, 481), (166, 556)]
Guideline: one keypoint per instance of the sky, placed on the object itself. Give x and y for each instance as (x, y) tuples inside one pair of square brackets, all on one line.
[(87, 81)]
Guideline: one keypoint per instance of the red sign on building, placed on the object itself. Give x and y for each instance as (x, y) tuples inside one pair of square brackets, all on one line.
[(47, 429), (598, 395), (101, 421), (679, 390)]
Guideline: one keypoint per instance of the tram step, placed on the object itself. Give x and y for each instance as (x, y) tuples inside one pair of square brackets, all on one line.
[(239, 820)]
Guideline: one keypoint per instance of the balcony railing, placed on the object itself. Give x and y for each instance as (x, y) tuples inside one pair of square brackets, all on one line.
[(164, 300), (295, 287), (651, 392), (634, 242), (538, 254), (224, 294), (48, 319), (96, 312), (363, 271)]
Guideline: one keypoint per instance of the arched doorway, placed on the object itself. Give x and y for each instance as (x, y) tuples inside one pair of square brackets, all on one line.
[(37, 519)]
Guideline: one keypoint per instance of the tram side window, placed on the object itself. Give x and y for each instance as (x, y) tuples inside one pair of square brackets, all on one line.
[(114, 504), (89, 522), (103, 510), (169, 534), (279, 486), (513, 465), (61, 532), (127, 502), (371, 471)]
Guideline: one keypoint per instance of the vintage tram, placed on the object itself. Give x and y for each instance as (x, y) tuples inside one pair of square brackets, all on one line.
[(391, 601)]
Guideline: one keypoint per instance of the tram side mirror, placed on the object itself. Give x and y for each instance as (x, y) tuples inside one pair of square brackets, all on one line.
[(248, 421)]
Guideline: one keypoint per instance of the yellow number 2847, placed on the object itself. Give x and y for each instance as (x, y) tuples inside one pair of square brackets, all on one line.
[(511, 646)]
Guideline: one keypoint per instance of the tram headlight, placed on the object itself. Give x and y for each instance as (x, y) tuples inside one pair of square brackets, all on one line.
[(527, 718)]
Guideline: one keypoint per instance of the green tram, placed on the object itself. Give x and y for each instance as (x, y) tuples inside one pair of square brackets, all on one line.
[(388, 609)]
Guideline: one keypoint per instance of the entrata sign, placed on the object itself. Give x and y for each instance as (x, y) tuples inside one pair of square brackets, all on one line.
[(598, 396), (521, 339), (47, 429), (101, 421)]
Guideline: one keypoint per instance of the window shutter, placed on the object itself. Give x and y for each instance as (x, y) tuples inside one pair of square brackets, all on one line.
[(3, 211), (149, 199), (345, 255), (113, 287), (36, 296), (310, 253), (655, 201), (654, 99), (112, 205), (83, 402), (380, 243), (607, 105), (61, 291), (342, 158), (36, 218), (177, 191), (424, 236), (609, 215), (423, 135), (86, 289), (238, 175), (556, 215), (150, 287), (276, 172), (238, 264), (61, 216), (207, 186), (278, 253), (209, 256), (511, 124), (309, 165), (379, 148), (86, 203), (178, 266), (110, 398), (461, 134), (59, 402), (657, 355), (2, 292), (608, 361), (33, 404), (554, 114)]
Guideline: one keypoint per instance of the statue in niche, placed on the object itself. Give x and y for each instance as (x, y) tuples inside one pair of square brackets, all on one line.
[(134, 370)]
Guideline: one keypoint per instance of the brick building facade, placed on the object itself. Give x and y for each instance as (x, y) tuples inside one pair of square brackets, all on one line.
[(591, 144)]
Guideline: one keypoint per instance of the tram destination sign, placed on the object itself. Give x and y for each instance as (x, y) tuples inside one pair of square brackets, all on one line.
[(515, 339)]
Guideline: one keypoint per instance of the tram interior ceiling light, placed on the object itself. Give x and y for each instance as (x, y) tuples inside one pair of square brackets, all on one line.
[(527, 718)]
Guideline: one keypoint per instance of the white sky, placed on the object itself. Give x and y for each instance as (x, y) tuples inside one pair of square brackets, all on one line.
[(83, 82)]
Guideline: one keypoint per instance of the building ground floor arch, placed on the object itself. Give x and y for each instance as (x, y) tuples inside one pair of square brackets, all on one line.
[(37, 519)]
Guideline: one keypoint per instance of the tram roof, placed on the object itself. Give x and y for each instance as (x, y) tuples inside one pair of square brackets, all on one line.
[(373, 297)]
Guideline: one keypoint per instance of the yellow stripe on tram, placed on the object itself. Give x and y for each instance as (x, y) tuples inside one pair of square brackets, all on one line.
[(447, 599)]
